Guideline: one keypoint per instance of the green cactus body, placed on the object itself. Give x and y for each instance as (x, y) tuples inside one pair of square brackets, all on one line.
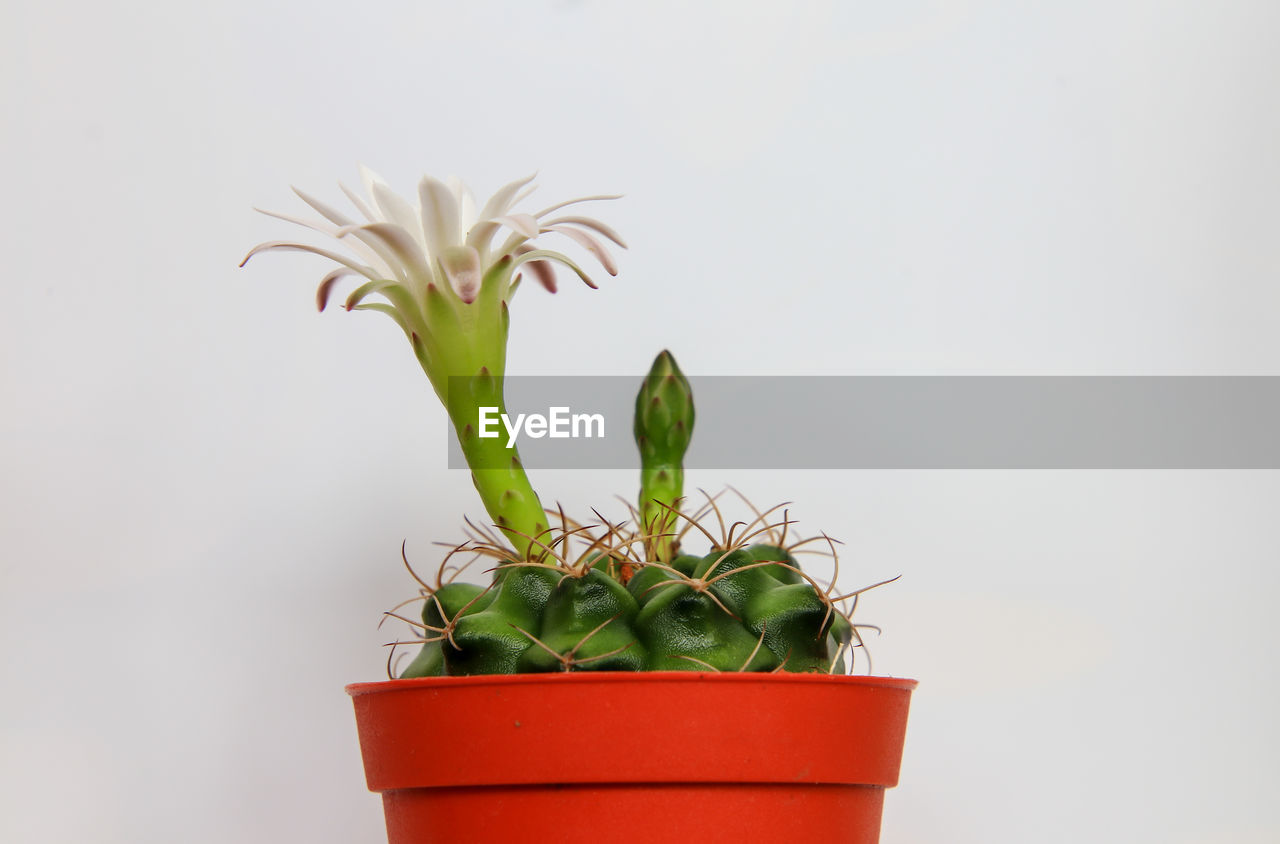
[(686, 564), (687, 631), (586, 625), (438, 610), (428, 663), (489, 640), (735, 577), (794, 622), (648, 580), (730, 615), (787, 572)]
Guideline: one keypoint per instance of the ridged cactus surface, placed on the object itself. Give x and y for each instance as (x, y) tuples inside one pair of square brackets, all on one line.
[(740, 607)]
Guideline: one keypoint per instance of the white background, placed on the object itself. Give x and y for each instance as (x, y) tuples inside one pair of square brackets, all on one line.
[(204, 483)]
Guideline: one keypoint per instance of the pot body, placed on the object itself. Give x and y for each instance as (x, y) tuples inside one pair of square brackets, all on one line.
[(632, 757)]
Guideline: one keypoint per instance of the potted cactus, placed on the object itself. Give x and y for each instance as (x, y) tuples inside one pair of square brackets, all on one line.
[(670, 675)]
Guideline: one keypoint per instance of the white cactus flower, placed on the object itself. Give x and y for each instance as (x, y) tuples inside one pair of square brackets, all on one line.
[(405, 251)]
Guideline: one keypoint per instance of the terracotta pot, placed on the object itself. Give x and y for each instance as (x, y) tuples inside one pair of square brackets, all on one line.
[(632, 757)]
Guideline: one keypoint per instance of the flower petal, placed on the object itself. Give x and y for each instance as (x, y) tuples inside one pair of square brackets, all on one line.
[(383, 307), (466, 203), (302, 247), (394, 208), (589, 243), (401, 250), (543, 271), (461, 265), (314, 225), (481, 233), (503, 199), (367, 289), (545, 211), (524, 224), (369, 178), (359, 203), (381, 257), (590, 223), (549, 255), (523, 195), (326, 286), (332, 215), (439, 216), (362, 251)]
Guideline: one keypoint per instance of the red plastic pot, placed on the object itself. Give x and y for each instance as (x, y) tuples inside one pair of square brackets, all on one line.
[(632, 757)]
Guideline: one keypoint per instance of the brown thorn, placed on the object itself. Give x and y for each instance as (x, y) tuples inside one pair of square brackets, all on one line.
[(680, 535), (763, 529), (760, 517), (719, 515), (565, 521), (695, 584), (799, 543), (685, 582), (747, 567), (728, 542), (406, 602), (719, 603), (698, 515), (404, 555), (464, 546), (613, 652), (407, 621), (695, 659), (631, 509), (399, 642), (839, 653), (540, 544), (764, 628), (594, 631), (537, 641), (835, 564), (483, 533), (390, 668), (531, 565), (858, 592), (456, 570)]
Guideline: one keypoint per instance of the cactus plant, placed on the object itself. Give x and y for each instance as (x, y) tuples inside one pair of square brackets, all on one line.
[(565, 595)]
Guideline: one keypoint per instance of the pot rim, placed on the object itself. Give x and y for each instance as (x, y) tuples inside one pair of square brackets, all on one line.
[(624, 678), (592, 727)]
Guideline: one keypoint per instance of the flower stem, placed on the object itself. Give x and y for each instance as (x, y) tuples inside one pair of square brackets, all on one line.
[(496, 471), (465, 358)]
